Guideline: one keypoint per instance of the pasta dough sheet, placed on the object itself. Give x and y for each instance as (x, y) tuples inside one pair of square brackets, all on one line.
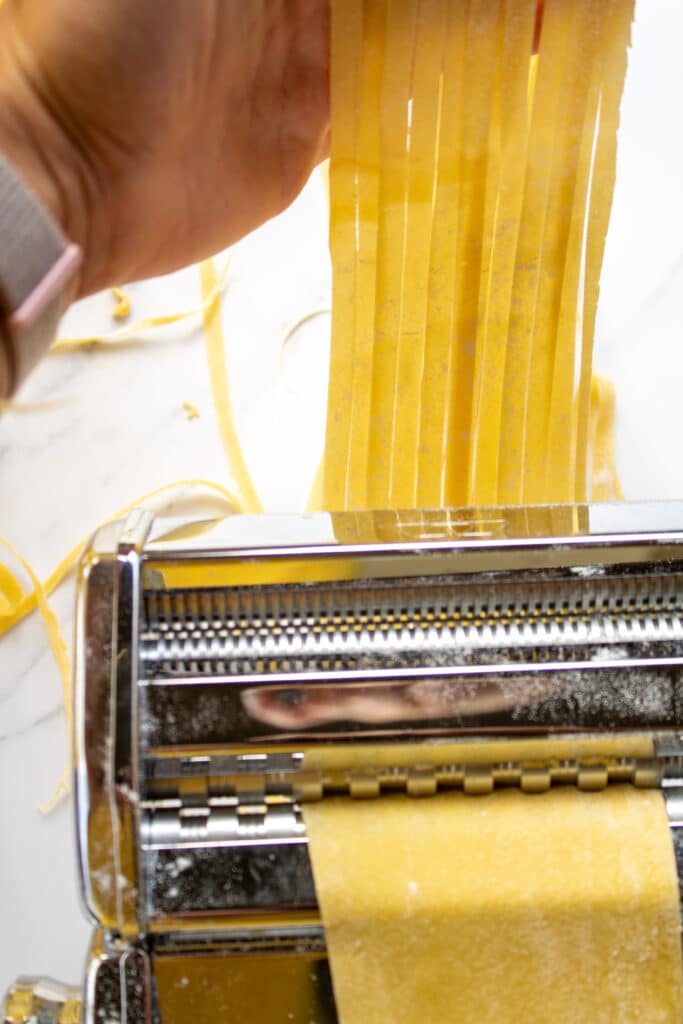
[(510, 909)]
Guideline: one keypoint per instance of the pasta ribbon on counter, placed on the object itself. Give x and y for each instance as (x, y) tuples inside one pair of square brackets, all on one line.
[(107, 338), (215, 354)]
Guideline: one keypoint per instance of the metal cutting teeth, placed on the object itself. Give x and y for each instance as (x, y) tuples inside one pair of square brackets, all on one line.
[(189, 812), (297, 628)]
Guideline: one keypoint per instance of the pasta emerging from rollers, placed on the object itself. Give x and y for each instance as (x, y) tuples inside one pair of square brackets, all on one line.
[(471, 184)]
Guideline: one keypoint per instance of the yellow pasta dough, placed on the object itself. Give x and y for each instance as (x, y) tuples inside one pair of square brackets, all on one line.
[(471, 188), (509, 909), (215, 354), (604, 479)]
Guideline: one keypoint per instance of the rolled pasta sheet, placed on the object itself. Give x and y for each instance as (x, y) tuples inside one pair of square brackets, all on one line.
[(509, 909)]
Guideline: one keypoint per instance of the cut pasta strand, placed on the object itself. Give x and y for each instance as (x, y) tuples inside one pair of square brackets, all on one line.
[(438, 358), (121, 334), (605, 484), (400, 35), (507, 162), (367, 184), (472, 171), (423, 137), (618, 16), (218, 375), (346, 44)]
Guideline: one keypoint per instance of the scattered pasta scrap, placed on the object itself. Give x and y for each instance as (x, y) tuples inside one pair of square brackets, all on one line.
[(123, 305), (191, 411)]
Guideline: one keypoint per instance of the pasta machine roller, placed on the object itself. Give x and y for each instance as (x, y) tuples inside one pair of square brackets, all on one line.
[(228, 671)]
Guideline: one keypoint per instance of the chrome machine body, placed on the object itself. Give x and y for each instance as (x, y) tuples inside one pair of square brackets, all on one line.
[(216, 659)]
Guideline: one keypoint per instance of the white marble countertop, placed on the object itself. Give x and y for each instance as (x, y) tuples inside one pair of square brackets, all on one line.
[(117, 429)]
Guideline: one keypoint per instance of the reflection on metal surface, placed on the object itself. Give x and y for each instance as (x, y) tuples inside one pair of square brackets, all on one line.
[(106, 721), (393, 629), (272, 983), (411, 528), (33, 1000)]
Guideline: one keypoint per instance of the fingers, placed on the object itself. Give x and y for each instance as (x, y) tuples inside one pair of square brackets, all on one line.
[(540, 8)]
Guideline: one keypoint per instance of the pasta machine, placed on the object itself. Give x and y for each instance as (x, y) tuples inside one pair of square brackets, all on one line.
[(228, 671)]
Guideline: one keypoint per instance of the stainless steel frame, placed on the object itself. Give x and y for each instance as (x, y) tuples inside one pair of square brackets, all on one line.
[(228, 671)]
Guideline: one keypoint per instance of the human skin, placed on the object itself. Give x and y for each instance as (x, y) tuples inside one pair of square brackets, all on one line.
[(160, 131)]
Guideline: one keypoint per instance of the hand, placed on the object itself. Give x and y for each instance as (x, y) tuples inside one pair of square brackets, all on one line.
[(160, 131)]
